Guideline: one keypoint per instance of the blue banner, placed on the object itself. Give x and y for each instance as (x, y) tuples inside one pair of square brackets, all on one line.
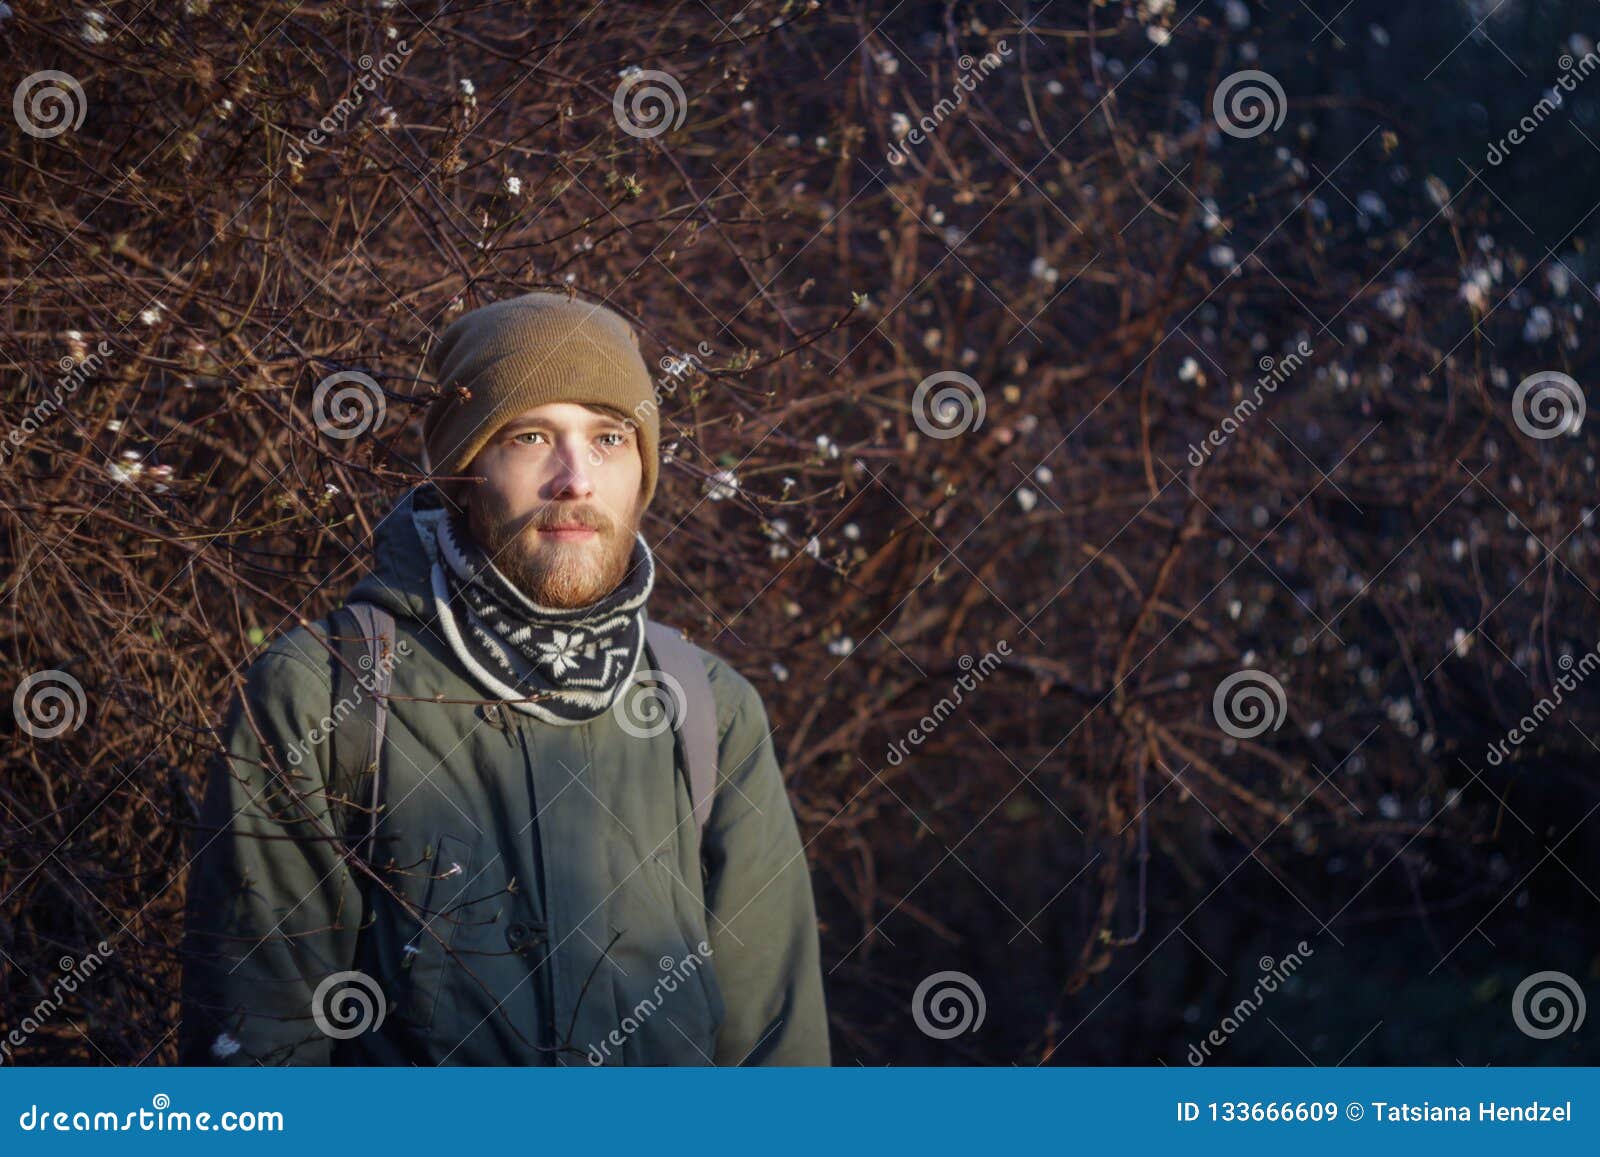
[(801, 1110)]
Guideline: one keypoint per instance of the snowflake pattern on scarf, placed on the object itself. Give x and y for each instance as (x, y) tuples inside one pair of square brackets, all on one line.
[(564, 666)]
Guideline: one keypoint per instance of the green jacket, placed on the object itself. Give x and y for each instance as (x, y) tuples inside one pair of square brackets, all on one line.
[(556, 908)]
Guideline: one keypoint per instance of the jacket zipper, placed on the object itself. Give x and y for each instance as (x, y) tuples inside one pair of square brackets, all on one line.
[(545, 1033)]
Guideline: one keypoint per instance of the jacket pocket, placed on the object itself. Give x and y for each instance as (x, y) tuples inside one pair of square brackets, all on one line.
[(427, 961)]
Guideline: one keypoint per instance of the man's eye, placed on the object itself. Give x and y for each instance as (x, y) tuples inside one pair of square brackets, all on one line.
[(527, 434), (617, 439)]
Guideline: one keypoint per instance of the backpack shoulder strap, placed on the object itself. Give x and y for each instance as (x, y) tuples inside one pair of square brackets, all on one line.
[(698, 735), (363, 638)]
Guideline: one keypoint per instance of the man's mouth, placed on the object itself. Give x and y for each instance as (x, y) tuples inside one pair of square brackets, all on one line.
[(568, 533)]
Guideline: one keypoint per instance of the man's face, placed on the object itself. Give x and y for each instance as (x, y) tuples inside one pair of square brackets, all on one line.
[(559, 506)]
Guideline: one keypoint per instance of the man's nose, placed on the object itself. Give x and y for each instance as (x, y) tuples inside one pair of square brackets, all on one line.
[(572, 473)]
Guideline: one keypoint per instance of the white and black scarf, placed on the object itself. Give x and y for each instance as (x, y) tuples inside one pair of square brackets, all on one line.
[(561, 666)]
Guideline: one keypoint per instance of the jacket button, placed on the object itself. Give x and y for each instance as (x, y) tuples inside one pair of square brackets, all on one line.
[(522, 934), (493, 715)]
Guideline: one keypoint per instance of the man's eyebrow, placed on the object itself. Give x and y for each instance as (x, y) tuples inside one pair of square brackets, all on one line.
[(596, 420)]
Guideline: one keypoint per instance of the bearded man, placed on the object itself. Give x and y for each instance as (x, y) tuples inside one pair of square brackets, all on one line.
[(520, 868)]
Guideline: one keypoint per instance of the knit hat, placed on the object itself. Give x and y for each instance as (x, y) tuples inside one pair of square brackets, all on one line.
[(526, 351)]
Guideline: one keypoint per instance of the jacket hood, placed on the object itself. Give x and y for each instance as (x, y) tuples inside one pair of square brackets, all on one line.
[(399, 580)]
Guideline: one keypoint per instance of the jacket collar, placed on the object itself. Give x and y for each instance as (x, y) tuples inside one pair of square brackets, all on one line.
[(399, 579)]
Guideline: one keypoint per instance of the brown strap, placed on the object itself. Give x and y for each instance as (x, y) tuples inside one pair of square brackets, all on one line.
[(698, 731)]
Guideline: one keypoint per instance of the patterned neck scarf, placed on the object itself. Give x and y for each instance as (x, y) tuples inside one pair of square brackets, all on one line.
[(563, 666)]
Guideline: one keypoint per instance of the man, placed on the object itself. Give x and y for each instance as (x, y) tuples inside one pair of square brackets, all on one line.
[(542, 889)]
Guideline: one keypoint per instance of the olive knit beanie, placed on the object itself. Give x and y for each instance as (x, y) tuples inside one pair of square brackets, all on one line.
[(500, 360)]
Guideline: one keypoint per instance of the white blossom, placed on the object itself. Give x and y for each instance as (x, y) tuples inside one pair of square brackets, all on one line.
[(721, 485), (1539, 324)]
